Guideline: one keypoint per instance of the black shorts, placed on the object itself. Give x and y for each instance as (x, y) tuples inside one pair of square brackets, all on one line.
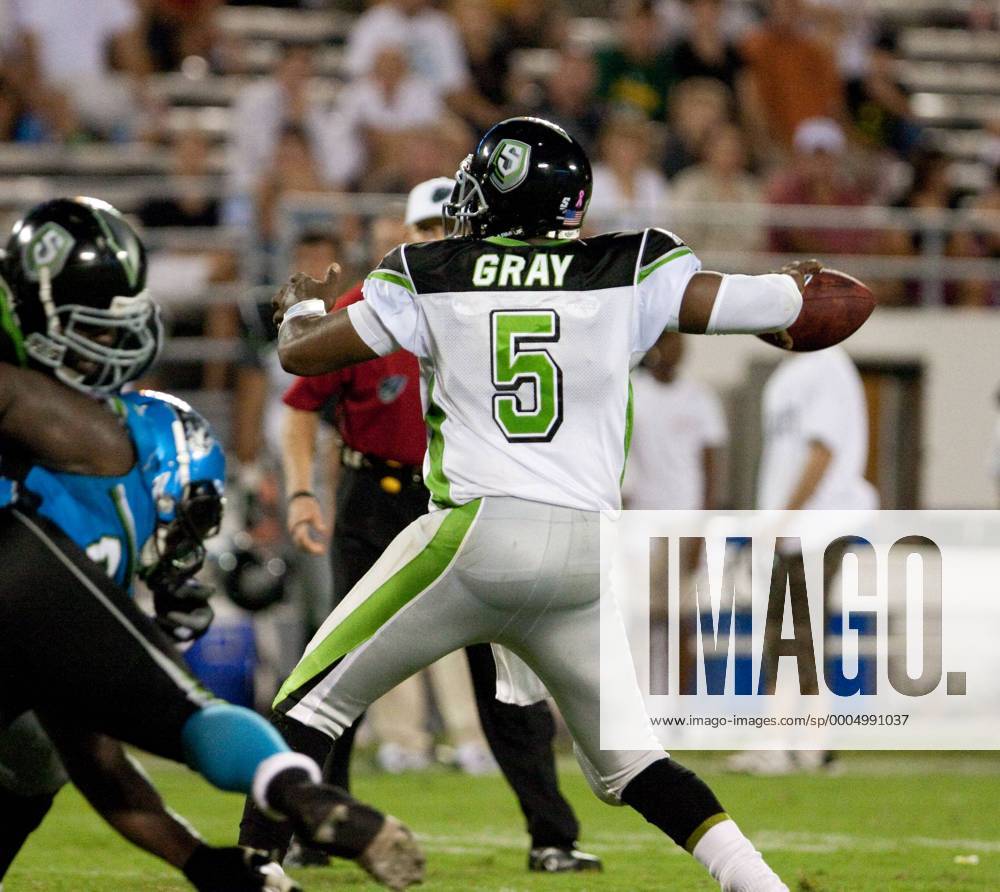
[(74, 645)]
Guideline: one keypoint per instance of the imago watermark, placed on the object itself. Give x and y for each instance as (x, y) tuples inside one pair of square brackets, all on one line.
[(801, 629)]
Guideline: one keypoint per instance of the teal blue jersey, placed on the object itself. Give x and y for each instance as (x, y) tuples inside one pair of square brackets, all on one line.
[(108, 517)]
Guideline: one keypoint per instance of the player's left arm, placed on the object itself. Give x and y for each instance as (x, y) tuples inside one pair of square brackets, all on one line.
[(312, 340)]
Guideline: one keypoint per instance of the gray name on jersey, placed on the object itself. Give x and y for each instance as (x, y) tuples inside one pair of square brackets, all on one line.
[(514, 271)]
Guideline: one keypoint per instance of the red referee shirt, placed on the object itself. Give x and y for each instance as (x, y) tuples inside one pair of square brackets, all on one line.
[(378, 407)]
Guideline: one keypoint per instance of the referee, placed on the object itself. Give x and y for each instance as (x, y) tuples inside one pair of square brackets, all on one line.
[(380, 491)]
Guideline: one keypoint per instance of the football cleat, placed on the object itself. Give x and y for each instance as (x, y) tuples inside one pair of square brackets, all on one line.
[(394, 857), (328, 818), (552, 859)]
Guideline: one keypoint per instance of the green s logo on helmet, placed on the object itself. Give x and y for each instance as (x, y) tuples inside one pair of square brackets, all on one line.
[(48, 248), (509, 164)]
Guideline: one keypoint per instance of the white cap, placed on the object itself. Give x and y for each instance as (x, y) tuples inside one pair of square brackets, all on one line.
[(426, 200), (819, 135)]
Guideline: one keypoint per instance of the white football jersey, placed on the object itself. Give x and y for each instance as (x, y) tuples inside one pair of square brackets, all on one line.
[(525, 351)]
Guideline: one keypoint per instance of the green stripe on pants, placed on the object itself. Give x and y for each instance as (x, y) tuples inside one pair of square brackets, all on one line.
[(383, 603)]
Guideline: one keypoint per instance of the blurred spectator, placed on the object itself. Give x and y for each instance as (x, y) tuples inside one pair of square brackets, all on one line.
[(487, 45), (629, 193), (264, 108), (534, 25), (638, 72), (817, 177), (429, 152), (698, 107), (176, 29), (11, 109), (879, 104), (705, 52), (433, 47), (190, 202), (76, 48), (293, 169), (678, 433), (850, 28), (261, 382), (792, 77), (375, 117), (722, 177), (984, 242), (569, 96), (930, 193)]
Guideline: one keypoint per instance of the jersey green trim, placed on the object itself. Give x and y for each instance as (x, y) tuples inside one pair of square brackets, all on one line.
[(436, 481), (629, 411), (411, 580), (506, 242), (660, 261), (128, 524), (9, 326), (388, 275)]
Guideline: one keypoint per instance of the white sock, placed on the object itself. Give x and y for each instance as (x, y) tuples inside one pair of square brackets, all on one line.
[(271, 767), (732, 860)]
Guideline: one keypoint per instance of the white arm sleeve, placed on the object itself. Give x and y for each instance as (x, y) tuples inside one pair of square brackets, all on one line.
[(755, 304)]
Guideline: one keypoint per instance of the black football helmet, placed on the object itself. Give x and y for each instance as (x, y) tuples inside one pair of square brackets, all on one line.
[(527, 177), (74, 300)]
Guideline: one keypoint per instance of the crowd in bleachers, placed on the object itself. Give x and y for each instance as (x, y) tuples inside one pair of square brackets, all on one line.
[(680, 101), (205, 117)]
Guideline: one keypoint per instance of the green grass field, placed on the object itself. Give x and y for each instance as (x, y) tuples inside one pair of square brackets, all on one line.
[(887, 821)]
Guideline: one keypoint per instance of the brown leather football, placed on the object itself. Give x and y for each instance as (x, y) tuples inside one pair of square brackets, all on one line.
[(834, 306)]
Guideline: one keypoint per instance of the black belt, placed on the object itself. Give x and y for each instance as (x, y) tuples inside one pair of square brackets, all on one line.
[(394, 475)]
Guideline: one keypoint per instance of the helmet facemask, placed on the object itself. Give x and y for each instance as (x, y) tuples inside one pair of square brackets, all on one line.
[(467, 204), (176, 551), (91, 349)]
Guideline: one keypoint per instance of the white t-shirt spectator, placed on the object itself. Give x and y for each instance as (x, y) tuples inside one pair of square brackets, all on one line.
[(73, 37), (816, 397), (673, 424), (433, 45), (611, 209), (364, 105)]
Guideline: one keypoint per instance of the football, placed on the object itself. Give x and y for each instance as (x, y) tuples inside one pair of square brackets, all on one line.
[(834, 306)]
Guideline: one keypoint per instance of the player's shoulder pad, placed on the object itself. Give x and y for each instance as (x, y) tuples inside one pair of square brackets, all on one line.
[(660, 247), (392, 268), (442, 265)]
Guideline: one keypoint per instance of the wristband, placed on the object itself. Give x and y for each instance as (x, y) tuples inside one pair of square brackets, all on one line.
[(299, 493), (313, 306)]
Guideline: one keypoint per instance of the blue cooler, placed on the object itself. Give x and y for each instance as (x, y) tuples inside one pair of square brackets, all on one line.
[(224, 659)]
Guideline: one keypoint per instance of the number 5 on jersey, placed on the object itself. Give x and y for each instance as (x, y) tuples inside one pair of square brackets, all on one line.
[(516, 362)]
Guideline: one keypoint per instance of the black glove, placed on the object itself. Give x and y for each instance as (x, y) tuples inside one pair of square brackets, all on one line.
[(184, 613), (235, 869)]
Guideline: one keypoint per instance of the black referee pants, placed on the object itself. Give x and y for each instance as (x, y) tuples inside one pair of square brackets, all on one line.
[(368, 519)]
